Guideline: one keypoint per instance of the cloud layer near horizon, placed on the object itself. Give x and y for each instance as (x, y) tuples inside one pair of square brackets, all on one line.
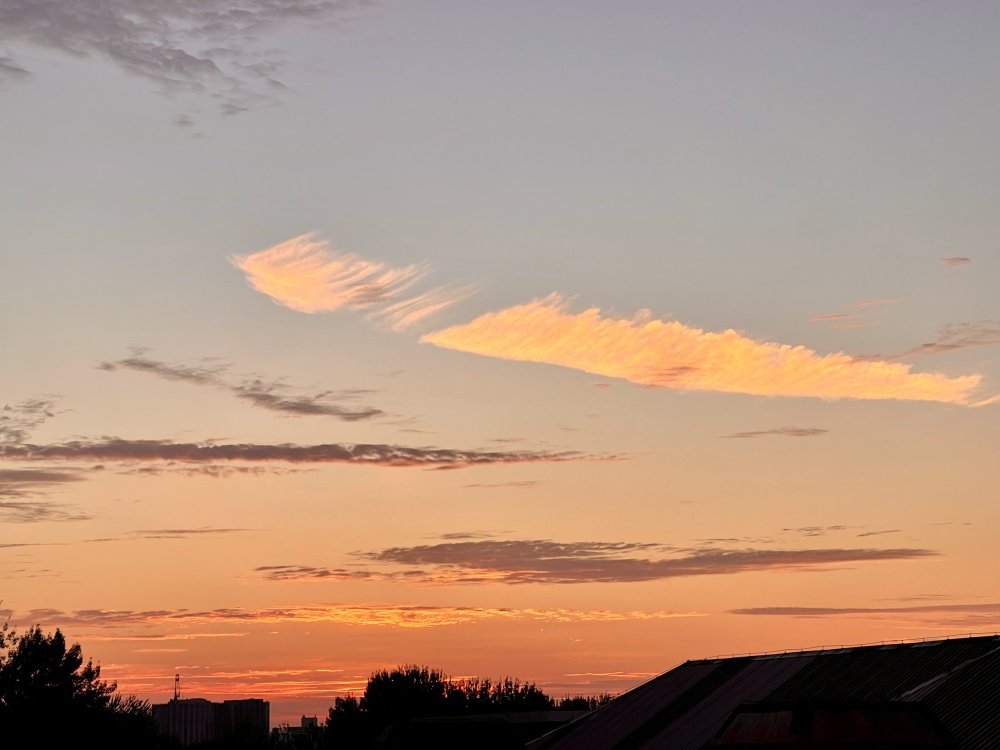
[(391, 615), (306, 275), (669, 354), (520, 561)]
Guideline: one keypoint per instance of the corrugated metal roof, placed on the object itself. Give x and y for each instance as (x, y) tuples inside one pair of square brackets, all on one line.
[(968, 702), (620, 718), (958, 679), (699, 725), (878, 673)]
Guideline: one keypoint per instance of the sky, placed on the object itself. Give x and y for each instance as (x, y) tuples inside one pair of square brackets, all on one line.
[(565, 341)]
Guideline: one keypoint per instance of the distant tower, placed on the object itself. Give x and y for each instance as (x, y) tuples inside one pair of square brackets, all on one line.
[(177, 687)]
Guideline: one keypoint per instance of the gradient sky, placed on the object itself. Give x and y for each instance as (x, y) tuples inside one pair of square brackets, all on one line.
[(565, 340)]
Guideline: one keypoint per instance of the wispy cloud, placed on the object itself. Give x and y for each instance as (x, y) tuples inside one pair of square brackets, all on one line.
[(520, 485), (22, 494), (550, 562), (307, 275), (380, 615), (118, 450), (461, 535), (17, 422), (955, 261), (873, 302), (19, 482), (265, 394), (958, 336), (11, 71), (784, 431), (215, 471), (860, 317), (928, 615), (816, 530), (36, 511), (409, 312), (184, 533), (207, 47), (670, 354), (830, 611), (950, 338), (833, 316)]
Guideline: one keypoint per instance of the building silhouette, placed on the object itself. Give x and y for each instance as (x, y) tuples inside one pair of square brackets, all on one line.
[(191, 720)]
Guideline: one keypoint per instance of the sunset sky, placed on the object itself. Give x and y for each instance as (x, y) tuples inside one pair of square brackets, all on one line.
[(565, 341)]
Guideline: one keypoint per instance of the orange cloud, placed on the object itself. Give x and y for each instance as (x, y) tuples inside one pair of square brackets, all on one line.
[(669, 354), (303, 273), (392, 615)]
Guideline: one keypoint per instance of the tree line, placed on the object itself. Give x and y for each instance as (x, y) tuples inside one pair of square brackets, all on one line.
[(50, 698)]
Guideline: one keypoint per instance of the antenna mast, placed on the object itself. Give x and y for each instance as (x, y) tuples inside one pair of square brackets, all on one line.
[(177, 687)]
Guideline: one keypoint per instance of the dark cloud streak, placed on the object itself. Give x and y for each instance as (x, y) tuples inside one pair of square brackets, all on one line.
[(20, 491), (270, 395), (798, 432), (116, 449), (549, 562), (951, 337)]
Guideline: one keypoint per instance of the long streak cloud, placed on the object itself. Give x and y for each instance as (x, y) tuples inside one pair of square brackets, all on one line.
[(114, 449), (669, 354), (379, 615), (521, 561)]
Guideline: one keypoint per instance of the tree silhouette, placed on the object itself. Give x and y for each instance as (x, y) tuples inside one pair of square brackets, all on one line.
[(397, 704), (48, 697)]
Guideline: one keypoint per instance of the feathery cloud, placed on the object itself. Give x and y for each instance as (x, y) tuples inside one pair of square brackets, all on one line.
[(206, 47), (669, 354), (399, 316), (115, 449), (306, 275), (546, 561), (264, 394), (785, 431), (955, 261), (303, 273)]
